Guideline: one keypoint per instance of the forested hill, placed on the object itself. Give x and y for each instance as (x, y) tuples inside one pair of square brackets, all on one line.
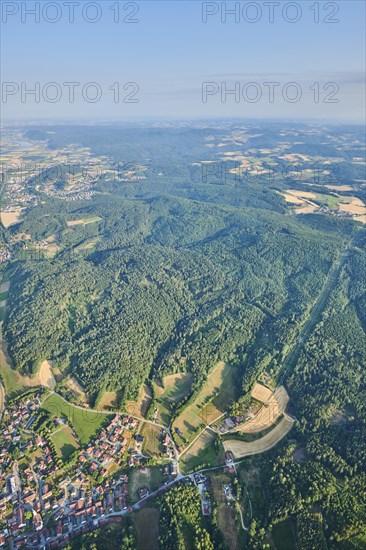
[(170, 278)]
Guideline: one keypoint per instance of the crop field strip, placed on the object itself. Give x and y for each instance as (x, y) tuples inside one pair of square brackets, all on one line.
[(241, 449)]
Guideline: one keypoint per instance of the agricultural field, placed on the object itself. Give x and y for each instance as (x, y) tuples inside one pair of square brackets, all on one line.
[(274, 406), (45, 375), (85, 423), (10, 218), (14, 382), (147, 528), (83, 221), (203, 452), (173, 389), (306, 202), (78, 390), (217, 393), (64, 442), (142, 405), (241, 449), (152, 445), (109, 401), (176, 386)]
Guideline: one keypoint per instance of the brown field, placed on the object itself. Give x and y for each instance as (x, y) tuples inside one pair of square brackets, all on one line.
[(294, 157), (74, 385), (301, 199), (14, 381), (10, 218), (75, 222), (268, 414), (108, 401), (355, 206), (292, 200), (45, 375), (261, 393), (140, 407), (82, 221), (301, 194), (306, 209), (152, 445), (339, 187), (241, 449), (361, 219), (147, 528)]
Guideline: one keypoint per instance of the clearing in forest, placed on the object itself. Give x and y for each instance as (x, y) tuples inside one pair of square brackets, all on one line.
[(84, 221), (15, 382), (108, 401), (45, 375), (241, 449), (176, 386), (77, 388), (218, 392), (169, 392)]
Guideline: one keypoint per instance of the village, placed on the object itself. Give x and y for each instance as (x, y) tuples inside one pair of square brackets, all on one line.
[(45, 502)]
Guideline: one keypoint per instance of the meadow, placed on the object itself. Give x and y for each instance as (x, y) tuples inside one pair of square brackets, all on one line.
[(85, 423)]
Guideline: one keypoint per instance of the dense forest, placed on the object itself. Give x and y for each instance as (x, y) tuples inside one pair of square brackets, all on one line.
[(169, 279)]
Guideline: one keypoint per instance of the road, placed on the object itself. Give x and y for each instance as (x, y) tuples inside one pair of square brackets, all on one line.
[(139, 418)]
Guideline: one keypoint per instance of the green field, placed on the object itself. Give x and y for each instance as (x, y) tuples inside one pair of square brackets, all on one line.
[(85, 423), (203, 453), (64, 442), (9, 377)]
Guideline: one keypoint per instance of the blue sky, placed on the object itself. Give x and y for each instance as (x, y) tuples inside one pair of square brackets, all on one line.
[(170, 53)]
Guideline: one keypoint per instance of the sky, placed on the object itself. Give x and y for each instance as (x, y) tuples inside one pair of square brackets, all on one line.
[(117, 60)]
